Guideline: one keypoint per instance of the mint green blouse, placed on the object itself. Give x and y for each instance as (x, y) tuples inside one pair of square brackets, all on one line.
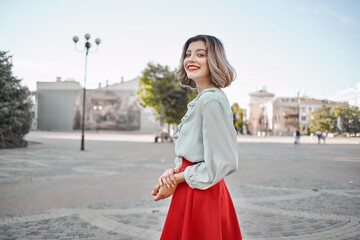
[(206, 136)]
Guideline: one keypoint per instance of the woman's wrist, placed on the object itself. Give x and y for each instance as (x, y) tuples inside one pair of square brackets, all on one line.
[(179, 177)]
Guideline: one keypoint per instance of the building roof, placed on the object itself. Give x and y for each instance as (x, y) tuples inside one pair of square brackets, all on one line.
[(60, 85), (132, 84), (304, 100), (261, 93), (70, 84)]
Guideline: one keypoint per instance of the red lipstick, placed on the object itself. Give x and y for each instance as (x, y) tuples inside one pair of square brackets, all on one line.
[(192, 68)]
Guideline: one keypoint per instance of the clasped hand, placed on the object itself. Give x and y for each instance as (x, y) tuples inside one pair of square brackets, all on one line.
[(166, 185)]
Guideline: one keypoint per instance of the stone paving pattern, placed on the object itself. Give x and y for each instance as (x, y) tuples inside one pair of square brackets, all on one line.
[(51, 190)]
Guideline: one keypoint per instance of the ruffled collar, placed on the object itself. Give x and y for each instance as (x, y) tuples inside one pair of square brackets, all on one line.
[(190, 107)]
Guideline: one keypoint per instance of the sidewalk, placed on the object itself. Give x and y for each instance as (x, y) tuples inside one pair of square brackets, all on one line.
[(52, 190), (128, 136), (303, 139)]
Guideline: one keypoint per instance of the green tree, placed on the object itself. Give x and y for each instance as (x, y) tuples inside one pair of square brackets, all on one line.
[(237, 117), (350, 119), (160, 90), (15, 104), (323, 119)]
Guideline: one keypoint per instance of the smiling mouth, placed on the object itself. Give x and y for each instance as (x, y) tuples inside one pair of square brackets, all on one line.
[(192, 68)]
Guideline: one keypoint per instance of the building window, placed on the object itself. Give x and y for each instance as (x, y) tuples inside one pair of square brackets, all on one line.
[(303, 118), (277, 109)]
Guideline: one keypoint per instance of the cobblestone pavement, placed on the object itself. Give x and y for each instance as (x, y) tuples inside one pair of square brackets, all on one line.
[(51, 190)]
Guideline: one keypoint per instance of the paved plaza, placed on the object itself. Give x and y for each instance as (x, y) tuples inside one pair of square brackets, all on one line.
[(52, 190)]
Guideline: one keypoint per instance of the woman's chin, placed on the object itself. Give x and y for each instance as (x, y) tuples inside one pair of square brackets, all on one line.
[(192, 76)]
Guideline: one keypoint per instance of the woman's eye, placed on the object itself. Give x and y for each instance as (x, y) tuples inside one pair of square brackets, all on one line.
[(187, 55), (201, 55)]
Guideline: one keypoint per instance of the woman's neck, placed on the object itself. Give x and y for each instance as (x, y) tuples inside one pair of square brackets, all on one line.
[(202, 87)]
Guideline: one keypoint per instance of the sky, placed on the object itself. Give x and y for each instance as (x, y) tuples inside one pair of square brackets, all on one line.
[(283, 45)]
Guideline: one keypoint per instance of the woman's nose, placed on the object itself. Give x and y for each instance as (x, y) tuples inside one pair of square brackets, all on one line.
[(191, 58)]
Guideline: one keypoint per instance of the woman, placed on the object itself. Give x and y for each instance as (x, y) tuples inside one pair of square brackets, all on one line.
[(206, 150)]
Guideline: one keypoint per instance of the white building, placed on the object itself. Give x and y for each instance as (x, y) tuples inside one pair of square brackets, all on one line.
[(113, 107), (260, 111)]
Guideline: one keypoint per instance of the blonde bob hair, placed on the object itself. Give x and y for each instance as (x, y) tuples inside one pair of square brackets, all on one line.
[(221, 72)]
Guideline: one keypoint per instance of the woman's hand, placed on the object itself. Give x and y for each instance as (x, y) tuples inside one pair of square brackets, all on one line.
[(162, 192), (168, 179), (155, 191)]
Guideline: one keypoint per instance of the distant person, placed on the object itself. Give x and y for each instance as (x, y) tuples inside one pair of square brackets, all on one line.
[(319, 135), (324, 135), (206, 150), (158, 134), (163, 135), (168, 137), (297, 137)]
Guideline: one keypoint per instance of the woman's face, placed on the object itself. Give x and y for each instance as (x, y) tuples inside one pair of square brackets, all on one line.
[(195, 62)]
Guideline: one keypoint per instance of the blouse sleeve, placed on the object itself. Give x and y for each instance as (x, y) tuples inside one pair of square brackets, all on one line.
[(220, 149), (178, 162)]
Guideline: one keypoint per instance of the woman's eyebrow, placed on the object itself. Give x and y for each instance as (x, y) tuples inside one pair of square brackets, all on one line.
[(197, 50)]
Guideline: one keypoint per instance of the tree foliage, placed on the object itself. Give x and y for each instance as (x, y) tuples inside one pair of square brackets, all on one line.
[(15, 104), (338, 119), (160, 90), (323, 119), (237, 117), (349, 119)]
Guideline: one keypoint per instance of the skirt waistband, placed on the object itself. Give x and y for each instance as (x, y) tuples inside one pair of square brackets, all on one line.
[(185, 164)]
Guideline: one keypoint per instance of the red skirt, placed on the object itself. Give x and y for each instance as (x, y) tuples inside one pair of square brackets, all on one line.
[(196, 214)]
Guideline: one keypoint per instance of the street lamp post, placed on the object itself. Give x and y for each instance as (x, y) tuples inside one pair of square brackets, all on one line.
[(298, 109), (86, 50)]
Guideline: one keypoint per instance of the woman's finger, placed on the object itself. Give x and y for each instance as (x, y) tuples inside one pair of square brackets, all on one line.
[(170, 171), (168, 182), (173, 180), (167, 173), (163, 181), (170, 178), (155, 190), (160, 181), (157, 197)]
